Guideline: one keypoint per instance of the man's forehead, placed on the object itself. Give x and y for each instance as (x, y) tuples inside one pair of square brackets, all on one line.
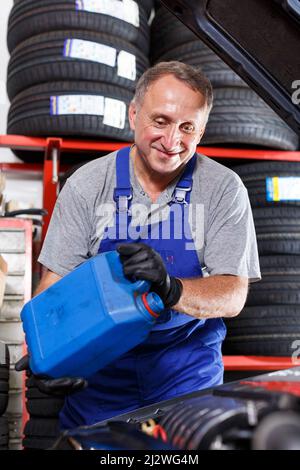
[(170, 106), (167, 82), (171, 90)]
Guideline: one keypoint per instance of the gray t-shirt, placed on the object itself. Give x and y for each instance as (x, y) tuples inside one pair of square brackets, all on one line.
[(221, 222)]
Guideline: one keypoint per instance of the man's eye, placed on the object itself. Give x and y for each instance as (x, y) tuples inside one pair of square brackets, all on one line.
[(160, 122), (188, 128)]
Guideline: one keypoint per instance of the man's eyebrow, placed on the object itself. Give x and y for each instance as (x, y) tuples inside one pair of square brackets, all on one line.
[(161, 115), (167, 118)]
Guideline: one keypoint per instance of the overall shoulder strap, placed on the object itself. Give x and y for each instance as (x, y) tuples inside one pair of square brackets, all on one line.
[(182, 191), (123, 190)]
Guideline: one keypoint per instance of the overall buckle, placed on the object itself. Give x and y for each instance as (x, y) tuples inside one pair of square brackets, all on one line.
[(179, 195), (122, 202)]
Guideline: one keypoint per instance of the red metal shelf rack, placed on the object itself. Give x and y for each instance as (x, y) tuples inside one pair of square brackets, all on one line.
[(53, 147), (259, 363)]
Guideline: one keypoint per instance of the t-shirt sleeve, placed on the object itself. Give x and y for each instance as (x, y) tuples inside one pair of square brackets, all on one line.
[(66, 245), (230, 242)]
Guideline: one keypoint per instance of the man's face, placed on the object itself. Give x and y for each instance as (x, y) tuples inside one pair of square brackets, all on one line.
[(168, 124)]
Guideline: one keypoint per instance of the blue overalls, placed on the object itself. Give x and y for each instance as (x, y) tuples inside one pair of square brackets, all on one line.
[(181, 354)]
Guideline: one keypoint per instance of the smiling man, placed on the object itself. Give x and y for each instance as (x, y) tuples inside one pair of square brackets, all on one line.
[(181, 197), (169, 121)]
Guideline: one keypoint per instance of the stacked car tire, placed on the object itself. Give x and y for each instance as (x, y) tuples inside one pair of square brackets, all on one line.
[(239, 116), (42, 429), (270, 322), (4, 387), (74, 66)]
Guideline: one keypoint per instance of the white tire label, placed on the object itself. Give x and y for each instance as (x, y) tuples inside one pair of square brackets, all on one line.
[(283, 188), (102, 54), (77, 104), (131, 12), (126, 10), (127, 65), (88, 50), (114, 113)]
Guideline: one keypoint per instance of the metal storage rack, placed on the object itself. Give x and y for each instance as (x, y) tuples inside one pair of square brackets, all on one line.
[(16, 249), (53, 147)]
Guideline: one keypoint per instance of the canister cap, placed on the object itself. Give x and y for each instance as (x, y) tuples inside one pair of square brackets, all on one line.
[(153, 303)]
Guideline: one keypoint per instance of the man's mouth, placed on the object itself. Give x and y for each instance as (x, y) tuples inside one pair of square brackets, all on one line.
[(169, 154)]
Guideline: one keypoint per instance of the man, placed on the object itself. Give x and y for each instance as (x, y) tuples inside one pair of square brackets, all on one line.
[(181, 221)]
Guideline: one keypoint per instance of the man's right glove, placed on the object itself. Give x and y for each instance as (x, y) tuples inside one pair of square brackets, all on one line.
[(140, 261), (57, 387)]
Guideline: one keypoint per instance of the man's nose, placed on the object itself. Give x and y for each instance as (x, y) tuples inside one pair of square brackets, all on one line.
[(171, 138)]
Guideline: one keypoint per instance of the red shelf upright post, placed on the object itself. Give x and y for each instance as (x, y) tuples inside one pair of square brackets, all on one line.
[(50, 178)]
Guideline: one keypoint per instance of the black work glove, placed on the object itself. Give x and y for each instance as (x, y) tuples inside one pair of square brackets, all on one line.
[(58, 387), (140, 261)]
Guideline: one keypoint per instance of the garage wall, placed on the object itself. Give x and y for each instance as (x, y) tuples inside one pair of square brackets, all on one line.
[(24, 188)]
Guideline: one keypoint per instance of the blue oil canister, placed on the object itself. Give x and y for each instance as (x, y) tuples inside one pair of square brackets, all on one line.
[(87, 319)]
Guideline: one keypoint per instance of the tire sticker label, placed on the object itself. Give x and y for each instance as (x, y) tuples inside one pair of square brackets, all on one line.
[(127, 65), (283, 188), (88, 50), (77, 104), (126, 10), (102, 54), (114, 113)]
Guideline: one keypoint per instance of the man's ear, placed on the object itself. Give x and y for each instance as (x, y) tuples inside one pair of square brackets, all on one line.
[(132, 115), (201, 134)]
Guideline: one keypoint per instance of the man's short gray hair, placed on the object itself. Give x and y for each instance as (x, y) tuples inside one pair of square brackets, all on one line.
[(191, 76)]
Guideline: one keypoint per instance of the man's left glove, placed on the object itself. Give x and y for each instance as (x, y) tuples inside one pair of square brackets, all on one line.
[(57, 387), (140, 261)]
